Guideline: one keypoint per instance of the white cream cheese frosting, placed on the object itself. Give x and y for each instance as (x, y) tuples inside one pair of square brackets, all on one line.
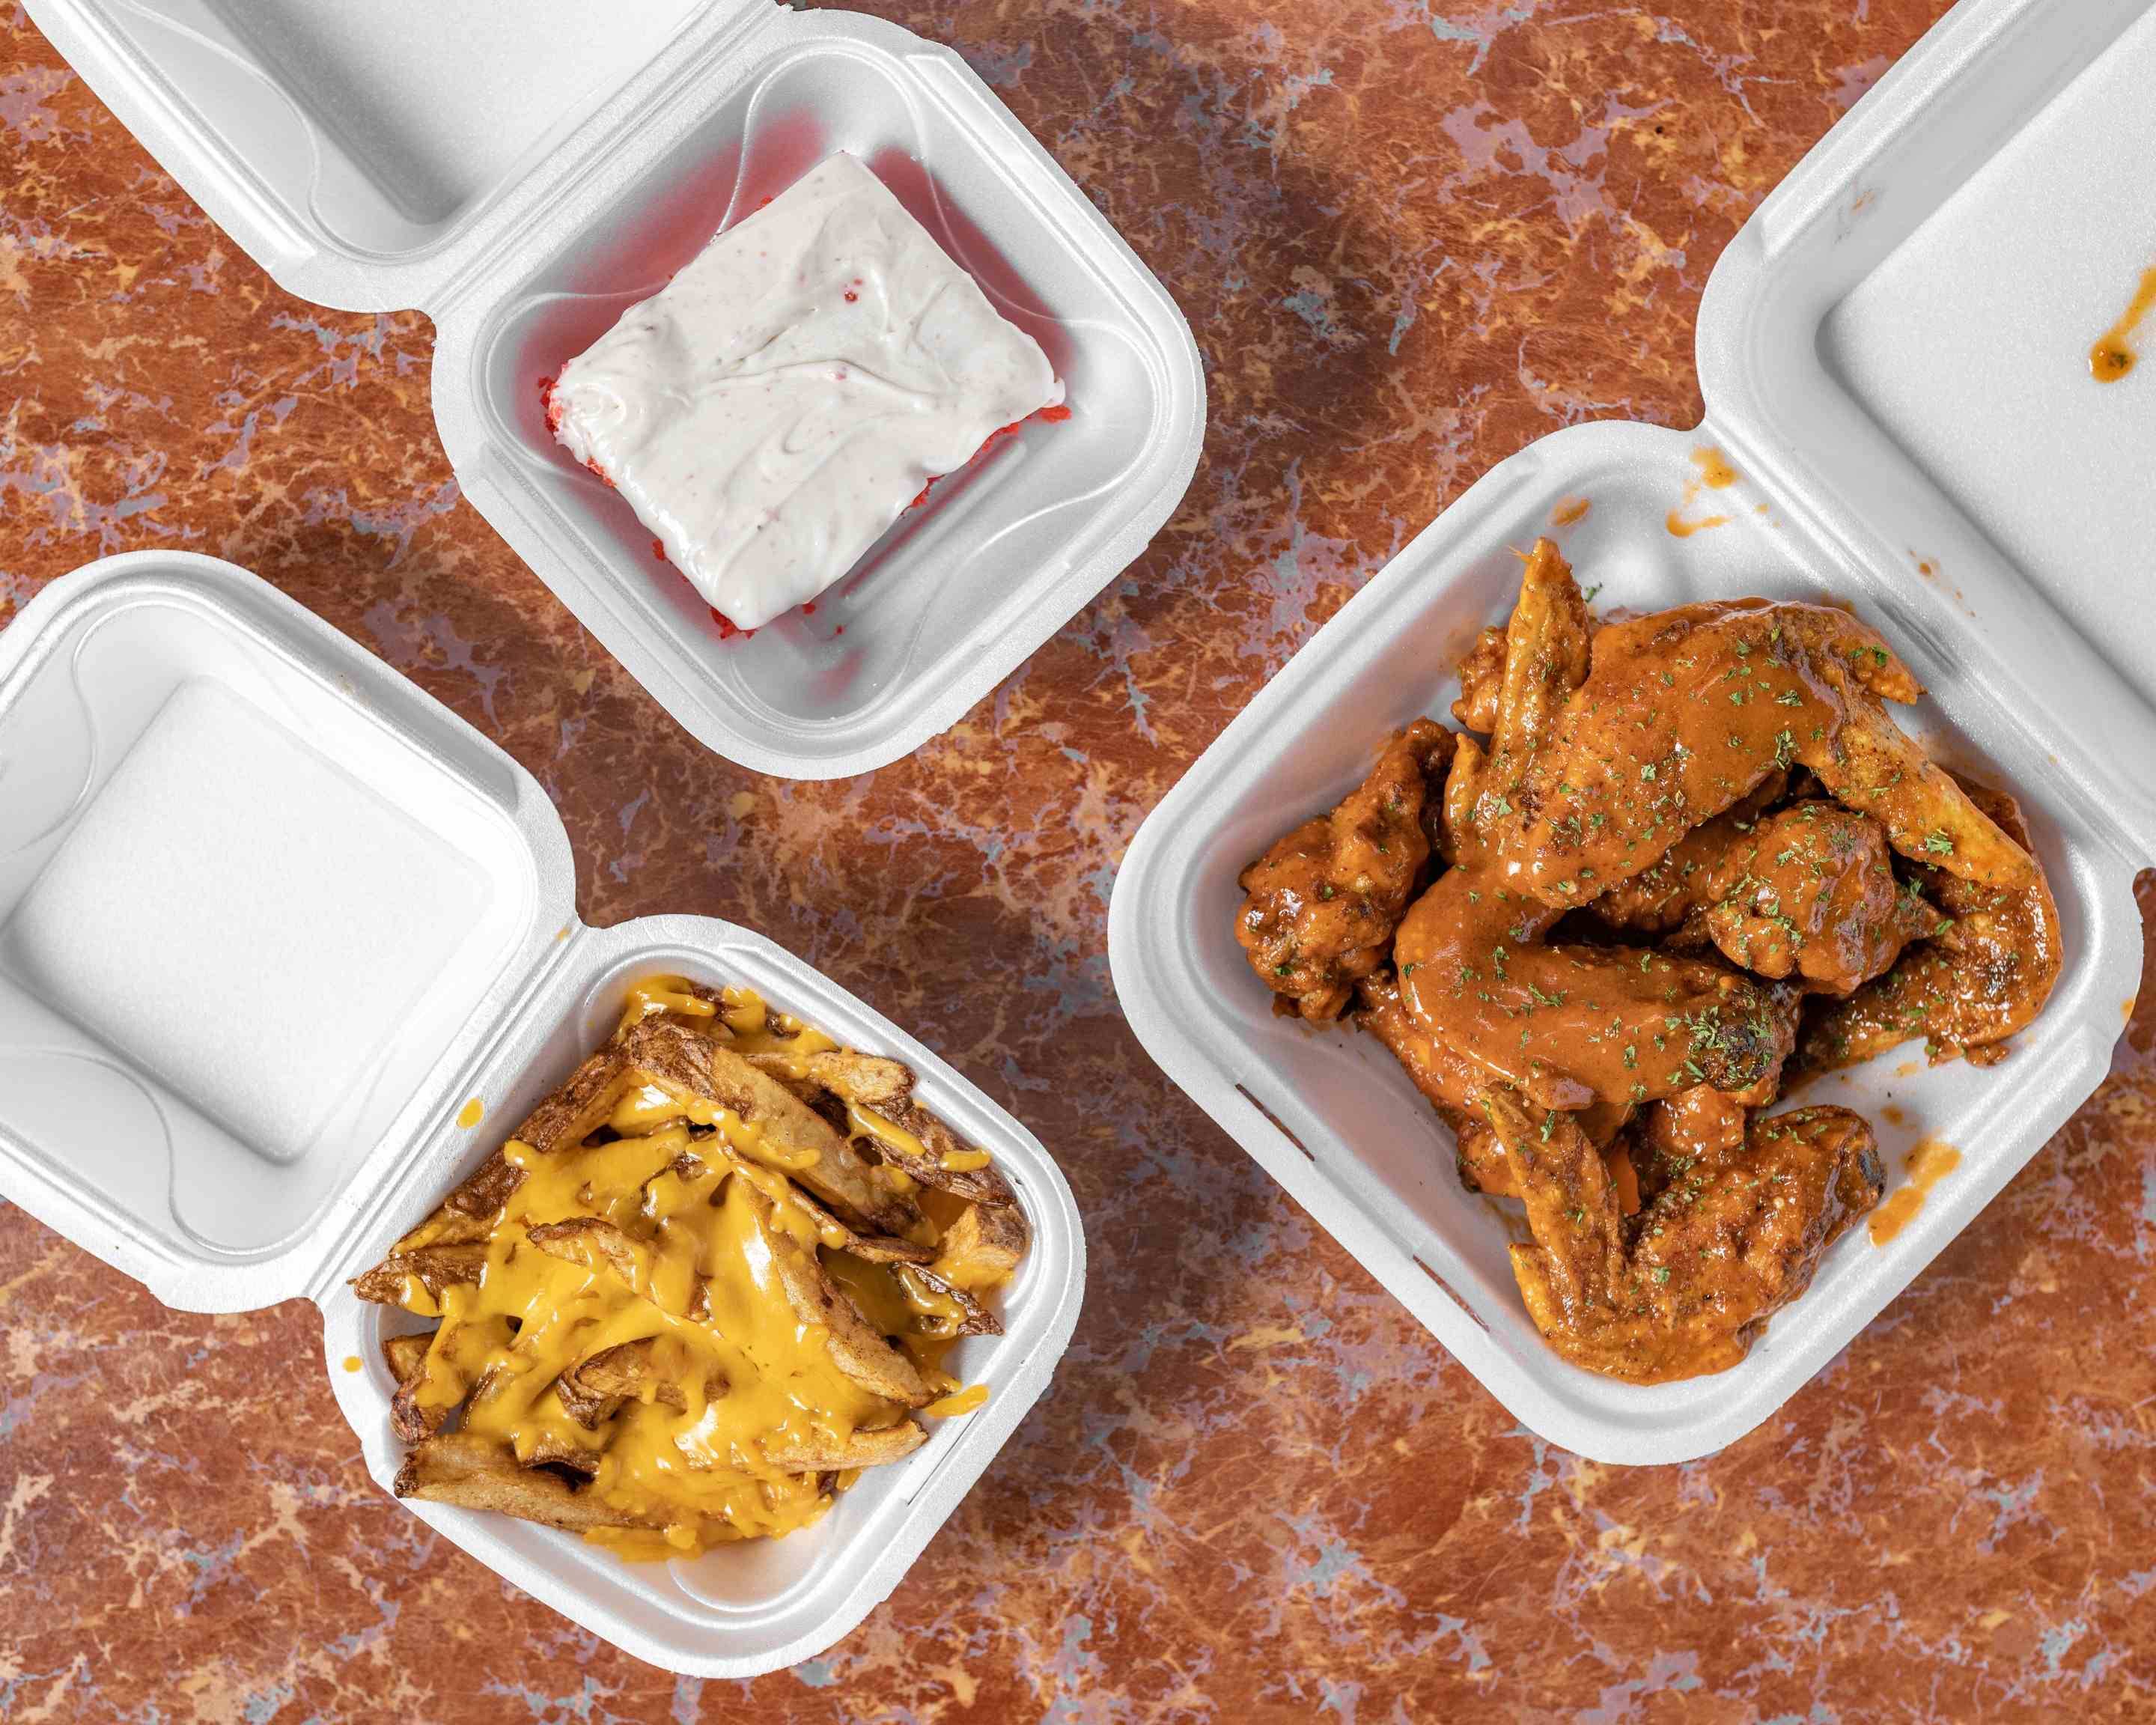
[(773, 410)]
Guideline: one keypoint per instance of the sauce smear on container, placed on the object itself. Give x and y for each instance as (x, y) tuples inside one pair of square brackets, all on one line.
[(1930, 1163), (2114, 356)]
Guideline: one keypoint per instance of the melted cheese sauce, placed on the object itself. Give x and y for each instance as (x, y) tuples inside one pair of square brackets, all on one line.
[(734, 1375)]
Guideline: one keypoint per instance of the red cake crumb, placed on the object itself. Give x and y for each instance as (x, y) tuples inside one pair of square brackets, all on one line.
[(659, 549), (553, 410), (1052, 415)]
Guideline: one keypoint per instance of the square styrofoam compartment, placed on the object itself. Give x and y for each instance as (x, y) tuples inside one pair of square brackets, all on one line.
[(1828, 505), (270, 919), (525, 183)]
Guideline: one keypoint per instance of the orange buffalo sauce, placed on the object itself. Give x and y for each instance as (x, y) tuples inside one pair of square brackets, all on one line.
[(2112, 357), (1715, 475), (1931, 1162)]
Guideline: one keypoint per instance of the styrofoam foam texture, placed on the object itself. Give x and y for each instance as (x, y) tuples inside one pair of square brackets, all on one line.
[(960, 592), (1328, 1112), (755, 1606), (269, 918), (1897, 343), (214, 813), (524, 187)]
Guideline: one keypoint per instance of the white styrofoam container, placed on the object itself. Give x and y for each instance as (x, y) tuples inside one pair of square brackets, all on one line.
[(269, 918), (524, 182), (1894, 356)]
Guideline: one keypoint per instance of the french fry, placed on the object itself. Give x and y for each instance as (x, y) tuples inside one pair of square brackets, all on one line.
[(432, 1267), (885, 1088), (680, 1062), (983, 1247), (406, 1355), (474, 1472), (815, 1454)]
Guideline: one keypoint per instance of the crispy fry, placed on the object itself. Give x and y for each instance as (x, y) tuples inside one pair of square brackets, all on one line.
[(857, 1349), (594, 1388), (948, 1310), (406, 1355), (983, 1247), (815, 1453), (936, 1156), (593, 1242), (431, 1267), (681, 1063), (474, 1472)]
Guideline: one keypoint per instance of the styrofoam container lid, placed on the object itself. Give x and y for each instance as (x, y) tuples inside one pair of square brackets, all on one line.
[(524, 180), (1894, 353), (270, 919)]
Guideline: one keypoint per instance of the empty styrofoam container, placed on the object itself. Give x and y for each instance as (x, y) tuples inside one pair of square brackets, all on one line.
[(1895, 356), (270, 919), (525, 178)]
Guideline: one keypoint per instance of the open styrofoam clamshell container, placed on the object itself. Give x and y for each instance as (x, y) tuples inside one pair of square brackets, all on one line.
[(1894, 353), (525, 179), (270, 918)]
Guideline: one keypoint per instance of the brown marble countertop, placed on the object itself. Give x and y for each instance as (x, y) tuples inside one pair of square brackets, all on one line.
[(1412, 236)]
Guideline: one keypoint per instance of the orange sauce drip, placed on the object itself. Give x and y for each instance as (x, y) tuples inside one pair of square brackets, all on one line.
[(1931, 1162), (471, 1114), (1715, 472), (1715, 475), (2112, 357), (1569, 510)]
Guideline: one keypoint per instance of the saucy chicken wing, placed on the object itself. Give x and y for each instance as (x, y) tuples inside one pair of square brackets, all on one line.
[(1991, 965), (1321, 906), (1811, 892), (1722, 1243)]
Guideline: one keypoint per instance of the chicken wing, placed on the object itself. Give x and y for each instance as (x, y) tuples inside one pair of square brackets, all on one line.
[(1455, 1085), (1547, 652), (1992, 963), (1659, 900), (1686, 1287), (1684, 713), (1574, 1026), (1810, 892), (1321, 906)]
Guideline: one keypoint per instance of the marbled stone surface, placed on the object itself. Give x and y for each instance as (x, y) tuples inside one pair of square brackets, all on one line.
[(1412, 235)]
